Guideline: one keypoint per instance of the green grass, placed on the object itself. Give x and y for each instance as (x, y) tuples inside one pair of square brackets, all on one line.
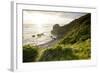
[(77, 51)]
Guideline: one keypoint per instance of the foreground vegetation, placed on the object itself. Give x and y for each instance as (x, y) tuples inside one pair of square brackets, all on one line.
[(74, 43)]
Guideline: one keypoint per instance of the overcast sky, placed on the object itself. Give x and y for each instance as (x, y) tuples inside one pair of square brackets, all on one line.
[(44, 17)]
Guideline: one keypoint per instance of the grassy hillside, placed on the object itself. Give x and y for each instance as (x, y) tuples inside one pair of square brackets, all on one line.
[(79, 26), (80, 31), (74, 42)]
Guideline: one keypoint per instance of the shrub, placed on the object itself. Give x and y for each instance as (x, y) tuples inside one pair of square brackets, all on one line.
[(29, 53), (58, 53), (51, 54)]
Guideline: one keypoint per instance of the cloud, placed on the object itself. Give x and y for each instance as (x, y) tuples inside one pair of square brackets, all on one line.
[(49, 17)]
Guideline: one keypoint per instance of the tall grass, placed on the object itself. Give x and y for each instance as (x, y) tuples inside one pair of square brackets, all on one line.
[(78, 51)]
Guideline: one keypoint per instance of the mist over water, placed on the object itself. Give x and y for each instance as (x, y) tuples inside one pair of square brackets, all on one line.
[(33, 29)]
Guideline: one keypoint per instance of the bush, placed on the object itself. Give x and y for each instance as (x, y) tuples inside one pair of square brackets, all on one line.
[(68, 54), (29, 53), (51, 55), (58, 53)]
